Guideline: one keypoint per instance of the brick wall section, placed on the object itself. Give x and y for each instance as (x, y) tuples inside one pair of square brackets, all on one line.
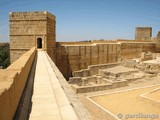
[(12, 83), (26, 28)]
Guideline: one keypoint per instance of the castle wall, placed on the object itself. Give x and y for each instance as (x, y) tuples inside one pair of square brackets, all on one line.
[(130, 50), (51, 36), (73, 57), (25, 30), (12, 83), (16, 53), (143, 33), (158, 42)]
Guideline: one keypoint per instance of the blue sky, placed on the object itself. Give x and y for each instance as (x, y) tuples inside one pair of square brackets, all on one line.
[(88, 19)]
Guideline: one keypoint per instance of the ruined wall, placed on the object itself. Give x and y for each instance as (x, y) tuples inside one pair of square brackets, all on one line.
[(72, 56), (12, 83), (143, 33), (130, 50), (25, 30)]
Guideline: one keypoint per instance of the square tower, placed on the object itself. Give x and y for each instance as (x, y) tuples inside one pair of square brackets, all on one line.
[(32, 29), (158, 42), (143, 33)]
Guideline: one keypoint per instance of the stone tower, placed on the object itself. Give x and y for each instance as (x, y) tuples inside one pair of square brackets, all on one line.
[(158, 42), (143, 33), (158, 37), (29, 29)]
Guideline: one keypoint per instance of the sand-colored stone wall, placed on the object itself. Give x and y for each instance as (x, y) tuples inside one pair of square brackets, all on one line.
[(12, 83), (16, 53), (134, 49), (158, 42), (51, 37), (22, 42), (93, 70), (25, 30), (76, 56), (143, 33)]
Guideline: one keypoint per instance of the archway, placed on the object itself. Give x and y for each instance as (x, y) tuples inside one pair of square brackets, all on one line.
[(39, 43)]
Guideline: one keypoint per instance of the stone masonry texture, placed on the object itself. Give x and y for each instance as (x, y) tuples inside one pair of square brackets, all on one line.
[(25, 30), (143, 33), (38, 29)]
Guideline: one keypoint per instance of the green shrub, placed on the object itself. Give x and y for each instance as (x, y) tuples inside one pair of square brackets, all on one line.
[(4, 56)]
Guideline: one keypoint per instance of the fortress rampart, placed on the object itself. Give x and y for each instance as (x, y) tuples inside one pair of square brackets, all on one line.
[(79, 55), (36, 31), (12, 83)]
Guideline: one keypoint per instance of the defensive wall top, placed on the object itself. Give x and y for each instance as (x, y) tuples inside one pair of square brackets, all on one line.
[(42, 15), (92, 43), (142, 27)]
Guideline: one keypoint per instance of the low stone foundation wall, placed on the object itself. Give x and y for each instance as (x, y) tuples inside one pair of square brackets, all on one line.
[(99, 87), (131, 63), (93, 69), (151, 66), (12, 83)]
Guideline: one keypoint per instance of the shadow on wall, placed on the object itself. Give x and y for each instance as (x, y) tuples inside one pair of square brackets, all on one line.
[(25, 104), (39, 43), (78, 56), (75, 57), (62, 62), (12, 81)]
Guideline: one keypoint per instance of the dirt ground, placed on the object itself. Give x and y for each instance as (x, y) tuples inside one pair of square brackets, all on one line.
[(155, 95), (128, 103)]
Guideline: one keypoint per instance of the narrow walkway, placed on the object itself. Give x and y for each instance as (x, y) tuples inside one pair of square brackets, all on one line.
[(49, 101)]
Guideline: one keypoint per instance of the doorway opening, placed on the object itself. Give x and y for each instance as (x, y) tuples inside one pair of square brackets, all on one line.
[(39, 43)]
